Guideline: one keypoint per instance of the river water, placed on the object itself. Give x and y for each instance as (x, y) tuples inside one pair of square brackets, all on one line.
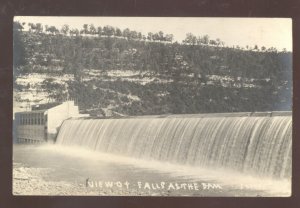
[(111, 174)]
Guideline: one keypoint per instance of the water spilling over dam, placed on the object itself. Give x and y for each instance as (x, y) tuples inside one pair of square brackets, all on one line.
[(258, 145)]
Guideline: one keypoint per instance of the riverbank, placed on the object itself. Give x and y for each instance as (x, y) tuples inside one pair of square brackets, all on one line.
[(29, 181)]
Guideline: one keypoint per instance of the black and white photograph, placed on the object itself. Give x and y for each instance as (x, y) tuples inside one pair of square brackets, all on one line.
[(152, 106)]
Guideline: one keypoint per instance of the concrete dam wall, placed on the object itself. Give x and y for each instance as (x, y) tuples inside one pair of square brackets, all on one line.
[(252, 143)]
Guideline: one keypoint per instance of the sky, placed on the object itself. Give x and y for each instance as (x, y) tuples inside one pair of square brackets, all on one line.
[(268, 32)]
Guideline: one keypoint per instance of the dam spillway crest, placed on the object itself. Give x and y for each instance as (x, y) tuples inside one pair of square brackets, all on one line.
[(261, 146)]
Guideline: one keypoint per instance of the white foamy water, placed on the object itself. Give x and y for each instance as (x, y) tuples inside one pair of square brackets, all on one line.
[(258, 146)]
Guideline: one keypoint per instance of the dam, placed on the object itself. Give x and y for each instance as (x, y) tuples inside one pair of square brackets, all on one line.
[(258, 144)]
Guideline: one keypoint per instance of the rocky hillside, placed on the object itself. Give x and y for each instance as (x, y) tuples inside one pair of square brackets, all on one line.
[(128, 75)]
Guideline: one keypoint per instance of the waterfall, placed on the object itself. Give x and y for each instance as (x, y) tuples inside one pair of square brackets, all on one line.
[(251, 144)]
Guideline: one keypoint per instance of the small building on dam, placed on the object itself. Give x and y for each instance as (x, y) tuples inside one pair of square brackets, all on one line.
[(42, 123)]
